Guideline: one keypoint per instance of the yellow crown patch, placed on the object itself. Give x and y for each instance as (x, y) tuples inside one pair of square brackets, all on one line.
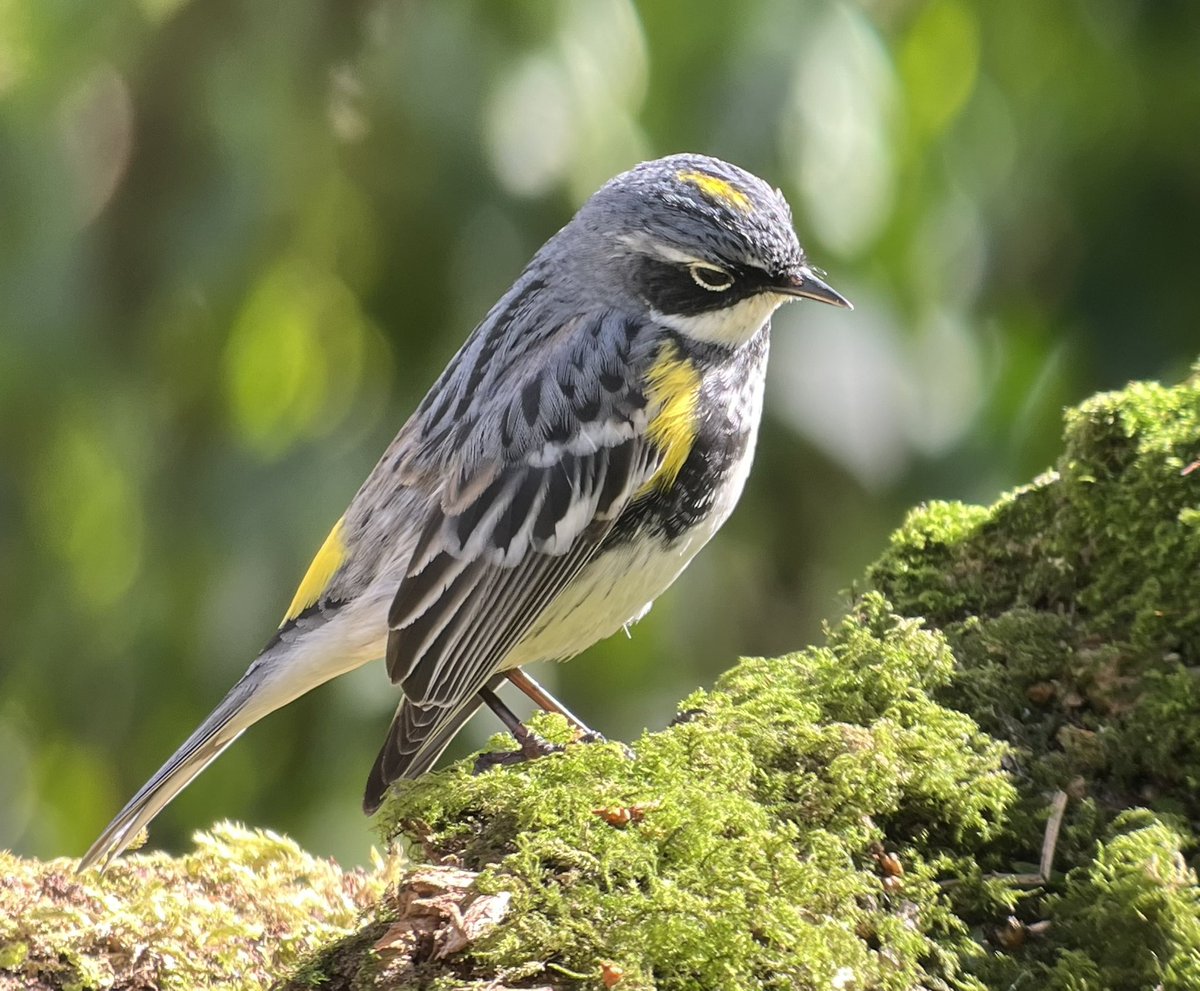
[(717, 189)]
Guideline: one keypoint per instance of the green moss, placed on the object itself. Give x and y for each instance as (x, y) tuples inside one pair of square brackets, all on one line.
[(244, 907), (1073, 609), (868, 813), (752, 865), (1133, 913), (1073, 605), (1129, 918)]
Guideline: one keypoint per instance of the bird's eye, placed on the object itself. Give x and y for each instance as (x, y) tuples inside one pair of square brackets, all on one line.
[(710, 277)]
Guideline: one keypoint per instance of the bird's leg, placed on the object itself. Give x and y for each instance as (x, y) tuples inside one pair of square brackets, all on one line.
[(504, 713), (549, 703), (544, 700), (532, 746)]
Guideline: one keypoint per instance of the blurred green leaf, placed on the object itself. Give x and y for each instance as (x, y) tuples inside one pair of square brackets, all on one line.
[(237, 244)]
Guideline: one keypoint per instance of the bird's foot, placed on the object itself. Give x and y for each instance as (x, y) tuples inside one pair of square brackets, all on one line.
[(591, 736), (531, 747), (687, 716)]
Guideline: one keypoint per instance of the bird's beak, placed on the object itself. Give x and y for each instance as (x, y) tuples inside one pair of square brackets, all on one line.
[(803, 282)]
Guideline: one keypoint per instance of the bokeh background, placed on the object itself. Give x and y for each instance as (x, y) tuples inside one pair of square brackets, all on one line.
[(238, 239)]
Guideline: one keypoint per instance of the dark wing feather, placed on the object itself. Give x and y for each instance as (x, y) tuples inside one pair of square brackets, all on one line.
[(412, 722), (529, 445), (486, 575)]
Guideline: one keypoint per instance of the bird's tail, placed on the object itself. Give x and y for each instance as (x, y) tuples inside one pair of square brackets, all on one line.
[(279, 675), (223, 725)]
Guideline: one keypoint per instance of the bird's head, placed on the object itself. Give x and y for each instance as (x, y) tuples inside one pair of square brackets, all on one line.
[(706, 247)]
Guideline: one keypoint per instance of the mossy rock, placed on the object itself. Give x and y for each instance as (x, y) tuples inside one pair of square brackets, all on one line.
[(244, 907), (869, 813), (742, 847)]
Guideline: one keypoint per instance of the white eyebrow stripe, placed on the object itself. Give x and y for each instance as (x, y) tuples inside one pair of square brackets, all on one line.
[(644, 244)]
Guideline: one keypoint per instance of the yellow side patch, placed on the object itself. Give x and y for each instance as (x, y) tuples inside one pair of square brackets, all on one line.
[(717, 189), (673, 388), (329, 558)]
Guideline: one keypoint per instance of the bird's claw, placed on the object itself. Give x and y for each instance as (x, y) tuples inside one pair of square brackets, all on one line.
[(591, 736), (532, 746), (686, 716)]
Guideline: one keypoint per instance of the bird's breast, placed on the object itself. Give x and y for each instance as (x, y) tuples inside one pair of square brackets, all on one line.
[(709, 476), (657, 536)]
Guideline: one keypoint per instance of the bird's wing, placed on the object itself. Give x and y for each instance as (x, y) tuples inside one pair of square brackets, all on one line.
[(483, 576), (503, 543)]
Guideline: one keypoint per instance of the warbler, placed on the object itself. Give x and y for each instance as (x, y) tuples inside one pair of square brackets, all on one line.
[(592, 434)]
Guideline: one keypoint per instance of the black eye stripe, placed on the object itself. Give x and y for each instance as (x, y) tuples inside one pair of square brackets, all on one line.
[(672, 287)]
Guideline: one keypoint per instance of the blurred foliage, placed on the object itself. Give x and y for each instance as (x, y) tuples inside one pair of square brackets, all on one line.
[(239, 239)]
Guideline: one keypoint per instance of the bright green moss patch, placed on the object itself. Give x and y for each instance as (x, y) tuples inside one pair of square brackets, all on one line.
[(1132, 915), (753, 864), (1073, 609), (243, 908), (865, 814), (1129, 918), (1073, 606)]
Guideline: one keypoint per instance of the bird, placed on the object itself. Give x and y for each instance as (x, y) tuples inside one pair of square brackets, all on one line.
[(592, 434)]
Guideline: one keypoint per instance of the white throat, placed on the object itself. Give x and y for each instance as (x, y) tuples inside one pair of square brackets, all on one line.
[(731, 326)]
